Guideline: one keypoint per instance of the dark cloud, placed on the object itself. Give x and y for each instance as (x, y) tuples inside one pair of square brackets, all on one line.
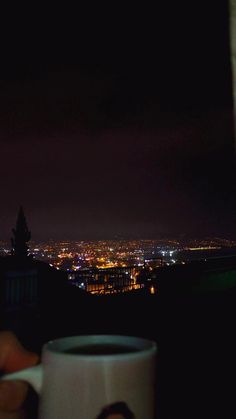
[(128, 133)]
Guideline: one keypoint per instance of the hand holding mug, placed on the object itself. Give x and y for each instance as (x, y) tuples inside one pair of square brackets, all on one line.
[(95, 376), (13, 357)]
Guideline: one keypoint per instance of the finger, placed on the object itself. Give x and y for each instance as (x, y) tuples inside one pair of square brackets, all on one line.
[(13, 415), (12, 395), (13, 356)]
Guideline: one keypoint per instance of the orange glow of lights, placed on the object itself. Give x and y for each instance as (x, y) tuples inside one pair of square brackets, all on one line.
[(152, 290)]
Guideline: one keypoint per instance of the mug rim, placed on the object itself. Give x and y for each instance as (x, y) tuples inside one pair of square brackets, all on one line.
[(143, 346)]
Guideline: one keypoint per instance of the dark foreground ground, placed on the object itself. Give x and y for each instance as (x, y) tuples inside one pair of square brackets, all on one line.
[(196, 374)]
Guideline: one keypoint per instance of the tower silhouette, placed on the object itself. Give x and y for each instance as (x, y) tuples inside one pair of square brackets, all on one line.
[(21, 236)]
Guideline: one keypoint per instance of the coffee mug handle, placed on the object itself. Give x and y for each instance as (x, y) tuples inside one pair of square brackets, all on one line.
[(33, 376)]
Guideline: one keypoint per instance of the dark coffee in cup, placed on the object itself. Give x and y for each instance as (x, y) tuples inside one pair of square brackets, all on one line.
[(101, 349)]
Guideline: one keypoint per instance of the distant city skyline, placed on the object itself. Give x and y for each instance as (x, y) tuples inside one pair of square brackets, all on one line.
[(76, 256)]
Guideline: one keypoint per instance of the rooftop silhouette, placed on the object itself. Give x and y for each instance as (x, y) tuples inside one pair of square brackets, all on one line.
[(21, 236)]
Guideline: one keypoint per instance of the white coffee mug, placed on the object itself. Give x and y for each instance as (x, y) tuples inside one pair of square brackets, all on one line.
[(95, 376)]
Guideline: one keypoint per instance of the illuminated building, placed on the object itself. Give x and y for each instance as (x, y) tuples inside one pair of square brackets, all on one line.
[(106, 281)]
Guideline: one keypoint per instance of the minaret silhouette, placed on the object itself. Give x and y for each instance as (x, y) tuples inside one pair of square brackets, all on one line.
[(21, 236)]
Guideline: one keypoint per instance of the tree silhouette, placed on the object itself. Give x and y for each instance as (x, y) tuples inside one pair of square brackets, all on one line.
[(21, 236)]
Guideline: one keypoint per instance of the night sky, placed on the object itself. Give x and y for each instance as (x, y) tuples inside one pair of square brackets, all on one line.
[(119, 126)]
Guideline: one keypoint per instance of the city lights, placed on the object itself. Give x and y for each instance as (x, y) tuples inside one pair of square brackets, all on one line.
[(113, 266)]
